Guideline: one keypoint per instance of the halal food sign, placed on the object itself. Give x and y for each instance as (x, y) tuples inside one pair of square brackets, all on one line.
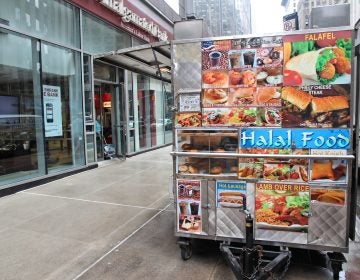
[(295, 138), (130, 16)]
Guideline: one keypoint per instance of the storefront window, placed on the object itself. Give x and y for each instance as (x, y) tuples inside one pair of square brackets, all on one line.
[(150, 112), (54, 20), (64, 120), (21, 129), (99, 37)]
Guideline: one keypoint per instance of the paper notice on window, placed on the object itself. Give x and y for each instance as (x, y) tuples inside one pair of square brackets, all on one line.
[(189, 102)]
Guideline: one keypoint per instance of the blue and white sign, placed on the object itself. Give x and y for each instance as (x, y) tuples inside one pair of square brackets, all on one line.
[(295, 138)]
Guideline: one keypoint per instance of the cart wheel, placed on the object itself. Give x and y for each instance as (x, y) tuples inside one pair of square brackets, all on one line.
[(186, 252)]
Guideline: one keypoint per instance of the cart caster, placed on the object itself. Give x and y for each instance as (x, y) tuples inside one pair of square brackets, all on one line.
[(186, 251)]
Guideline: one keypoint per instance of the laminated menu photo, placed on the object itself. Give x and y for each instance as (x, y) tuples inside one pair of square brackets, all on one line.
[(283, 207), (316, 106), (317, 58)]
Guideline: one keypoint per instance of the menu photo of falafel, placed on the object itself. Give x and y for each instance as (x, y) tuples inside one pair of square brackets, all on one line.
[(314, 60), (316, 106)]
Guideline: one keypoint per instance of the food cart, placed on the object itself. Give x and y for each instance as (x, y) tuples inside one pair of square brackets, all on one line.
[(263, 144)]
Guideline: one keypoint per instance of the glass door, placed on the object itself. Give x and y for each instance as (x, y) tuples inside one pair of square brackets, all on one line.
[(103, 94)]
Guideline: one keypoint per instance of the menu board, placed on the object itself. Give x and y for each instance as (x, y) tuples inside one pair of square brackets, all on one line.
[(290, 81), (188, 204)]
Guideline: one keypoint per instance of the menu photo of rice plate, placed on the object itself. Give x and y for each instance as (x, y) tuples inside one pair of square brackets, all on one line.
[(282, 207), (317, 58), (231, 194), (189, 206)]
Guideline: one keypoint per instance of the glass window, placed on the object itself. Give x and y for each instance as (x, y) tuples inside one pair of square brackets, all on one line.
[(63, 112), (99, 37), (54, 20), (21, 129)]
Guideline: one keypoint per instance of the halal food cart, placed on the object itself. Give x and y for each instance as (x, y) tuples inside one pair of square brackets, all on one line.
[(263, 149)]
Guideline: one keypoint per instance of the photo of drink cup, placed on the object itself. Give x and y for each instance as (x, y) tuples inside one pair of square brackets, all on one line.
[(194, 208), (215, 58), (248, 58), (188, 191), (183, 207), (196, 192), (181, 191), (234, 58)]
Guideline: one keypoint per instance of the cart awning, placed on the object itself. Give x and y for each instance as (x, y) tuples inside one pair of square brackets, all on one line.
[(150, 59)]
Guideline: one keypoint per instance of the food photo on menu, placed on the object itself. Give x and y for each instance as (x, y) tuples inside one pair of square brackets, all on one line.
[(334, 171), (315, 59), (192, 119), (213, 97), (269, 57), (282, 206), (269, 117), (316, 106), (250, 170), (269, 76), (189, 210), (242, 77), (229, 116), (231, 194), (329, 196), (215, 79), (268, 96)]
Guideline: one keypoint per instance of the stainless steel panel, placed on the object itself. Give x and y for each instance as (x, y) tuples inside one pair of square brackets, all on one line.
[(281, 236), (187, 67), (327, 225), (188, 29), (212, 207), (230, 223)]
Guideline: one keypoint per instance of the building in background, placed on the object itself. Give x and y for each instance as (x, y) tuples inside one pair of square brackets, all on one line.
[(61, 110), (221, 17), (305, 9), (290, 6)]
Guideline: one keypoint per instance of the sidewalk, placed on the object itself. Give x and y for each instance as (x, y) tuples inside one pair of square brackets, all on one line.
[(113, 222)]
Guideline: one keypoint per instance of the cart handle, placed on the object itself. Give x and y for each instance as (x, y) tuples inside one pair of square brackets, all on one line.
[(232, 155)]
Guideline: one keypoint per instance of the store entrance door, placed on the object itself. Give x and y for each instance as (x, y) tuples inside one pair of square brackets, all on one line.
[(109, 132)]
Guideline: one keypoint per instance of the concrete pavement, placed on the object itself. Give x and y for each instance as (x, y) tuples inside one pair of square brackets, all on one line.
[(113, 222)]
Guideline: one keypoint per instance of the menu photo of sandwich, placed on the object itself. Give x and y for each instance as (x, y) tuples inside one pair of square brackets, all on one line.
[(302, 109), (268, 96), (213, 97), (328, 196), (242, 96)]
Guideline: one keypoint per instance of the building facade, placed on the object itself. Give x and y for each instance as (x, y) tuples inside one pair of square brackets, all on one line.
[(305, 7), (221, 17), (61, 110)]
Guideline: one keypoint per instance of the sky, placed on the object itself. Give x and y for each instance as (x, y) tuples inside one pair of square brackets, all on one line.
[(267, 15)]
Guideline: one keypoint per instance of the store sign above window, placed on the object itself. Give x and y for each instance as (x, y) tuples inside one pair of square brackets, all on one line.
[(130, 16)]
